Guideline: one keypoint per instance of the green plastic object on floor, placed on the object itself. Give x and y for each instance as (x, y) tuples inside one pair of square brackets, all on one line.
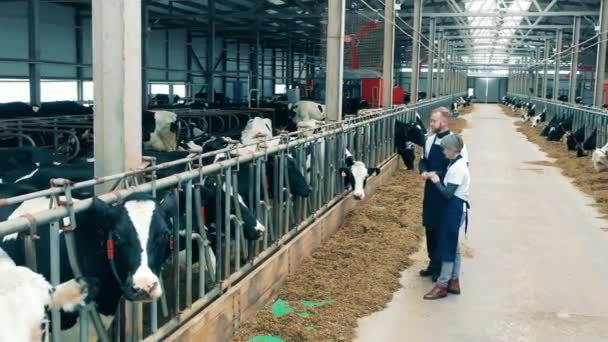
[(266, 339), (309, 327), (304, 314), (280, 308), (315, 304)]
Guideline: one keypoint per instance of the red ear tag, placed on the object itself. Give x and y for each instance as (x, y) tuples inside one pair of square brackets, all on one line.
[(204, 214), (110, 249)]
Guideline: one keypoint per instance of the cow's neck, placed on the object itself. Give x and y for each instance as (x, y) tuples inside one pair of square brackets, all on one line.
[(94, 263)]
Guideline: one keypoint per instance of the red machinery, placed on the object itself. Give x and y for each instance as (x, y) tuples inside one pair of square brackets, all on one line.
[(371, 91), (606, 93)]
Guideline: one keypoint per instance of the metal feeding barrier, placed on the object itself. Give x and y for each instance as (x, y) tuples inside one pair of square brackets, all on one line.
[(63, 133), (582, 116), (318, 154)]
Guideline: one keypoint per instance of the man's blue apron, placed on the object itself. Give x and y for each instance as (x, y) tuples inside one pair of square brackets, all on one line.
[(433, 203), (447, 235)]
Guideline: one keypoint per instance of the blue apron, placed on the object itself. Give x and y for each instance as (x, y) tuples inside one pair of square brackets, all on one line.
[(447, 235), (434, 203)]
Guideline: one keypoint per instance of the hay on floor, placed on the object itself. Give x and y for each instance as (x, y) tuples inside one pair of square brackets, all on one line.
[(579, 170)]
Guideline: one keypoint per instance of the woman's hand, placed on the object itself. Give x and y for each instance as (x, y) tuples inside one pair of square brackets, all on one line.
[(433, 177)]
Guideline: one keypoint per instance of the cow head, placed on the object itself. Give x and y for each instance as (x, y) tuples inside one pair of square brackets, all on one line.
[(356, 174), (256, 129), (599, 158), (298, 186), (137, 237)]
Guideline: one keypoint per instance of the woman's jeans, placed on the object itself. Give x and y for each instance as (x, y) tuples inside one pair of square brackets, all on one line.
[(449, 270)]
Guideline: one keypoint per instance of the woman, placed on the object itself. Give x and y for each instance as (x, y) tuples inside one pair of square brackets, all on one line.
[(455, 189)]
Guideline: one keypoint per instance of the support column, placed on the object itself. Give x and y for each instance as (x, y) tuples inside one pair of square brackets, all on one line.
[(602, 51), (440, 52), (335, 58), (254, 62), (415, 44), (536, 73), (33, 24), (145, 53), (273, 65), (558, 62), (210, 51), (289, 63), (262, 71), (545, 68), (78, 40), (388, 65), (446, 67), (117, 75), (190, 79), (431, 57), (576, 35)]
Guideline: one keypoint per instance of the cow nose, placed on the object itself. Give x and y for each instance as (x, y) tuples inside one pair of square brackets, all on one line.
[(154, 287), (146, 281), (359, 196)]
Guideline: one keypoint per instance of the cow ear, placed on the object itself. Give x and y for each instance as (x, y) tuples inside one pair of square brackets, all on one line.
[(168, 204), (350, 161), (343, 171), (373, 171), (102, 210)]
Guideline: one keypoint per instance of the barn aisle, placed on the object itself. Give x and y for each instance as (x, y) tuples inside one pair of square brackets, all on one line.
[(540, 255)]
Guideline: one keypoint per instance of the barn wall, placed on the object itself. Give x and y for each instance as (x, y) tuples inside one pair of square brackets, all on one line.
[(58, 43)]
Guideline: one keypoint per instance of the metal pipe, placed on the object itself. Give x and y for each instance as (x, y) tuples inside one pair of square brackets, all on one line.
[(33, 21), (415, 49), (574, 65), (558, 64)]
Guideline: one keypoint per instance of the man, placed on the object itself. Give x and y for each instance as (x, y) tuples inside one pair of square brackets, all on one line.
[(433, 160)]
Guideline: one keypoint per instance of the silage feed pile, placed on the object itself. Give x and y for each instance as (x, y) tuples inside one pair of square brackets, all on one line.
[(352, 275), (580, 170)]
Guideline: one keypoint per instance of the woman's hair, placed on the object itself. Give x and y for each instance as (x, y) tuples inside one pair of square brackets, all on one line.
[(452, 142)]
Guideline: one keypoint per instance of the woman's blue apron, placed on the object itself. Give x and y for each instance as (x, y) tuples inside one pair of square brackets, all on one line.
[(447, 235), (434, 203)]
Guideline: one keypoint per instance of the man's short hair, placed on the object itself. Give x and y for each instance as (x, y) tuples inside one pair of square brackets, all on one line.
[(443, 111)]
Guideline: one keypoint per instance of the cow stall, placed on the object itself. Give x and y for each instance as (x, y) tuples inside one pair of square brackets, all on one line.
[(226, 217)]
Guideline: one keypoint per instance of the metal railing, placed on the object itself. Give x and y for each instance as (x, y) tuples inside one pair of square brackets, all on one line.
[(369, 138), (582, 116)]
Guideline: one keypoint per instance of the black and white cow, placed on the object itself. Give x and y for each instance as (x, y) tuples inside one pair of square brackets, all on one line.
[(575, 140), (26, 297), (307, 110), (557, 131), (356, 174), (122, 246), (538, 119), (599, 159), (587, 146), (351, 106), (407, 135)]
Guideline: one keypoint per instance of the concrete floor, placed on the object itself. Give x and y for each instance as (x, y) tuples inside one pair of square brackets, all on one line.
[(540, 264)]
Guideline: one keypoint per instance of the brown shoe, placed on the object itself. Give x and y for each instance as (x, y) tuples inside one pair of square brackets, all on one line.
[(437, 292), (454, 286)]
